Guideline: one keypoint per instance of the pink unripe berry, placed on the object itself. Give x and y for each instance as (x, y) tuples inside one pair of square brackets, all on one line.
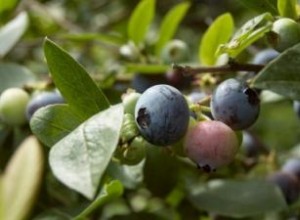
[(211, 144)]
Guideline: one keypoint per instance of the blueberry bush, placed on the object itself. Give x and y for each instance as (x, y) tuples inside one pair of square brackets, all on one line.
[(149, 109)]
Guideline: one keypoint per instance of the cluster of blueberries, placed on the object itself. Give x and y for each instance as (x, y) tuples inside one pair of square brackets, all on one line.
[(159, 114), (163, 118)]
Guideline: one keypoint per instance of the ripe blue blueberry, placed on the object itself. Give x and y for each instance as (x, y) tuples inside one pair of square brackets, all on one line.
[(235, 104), (288, 184), (162, 115), (42, 99), (252, 146), (297, 107), (292, 166), (265, 56)]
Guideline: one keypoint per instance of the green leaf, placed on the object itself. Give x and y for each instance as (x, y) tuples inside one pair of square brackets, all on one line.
[(51, 123), (22, 178), (282, 74), (140, 20), (169, 25), (287, 8), (130, 176), (161, 172), (8, 5), (261, 6), (250, 32), (109, 192), (12, 32), (105, 38), (238, 198), (14, 75), (219, 32), (146, 68), (74, 83), (80, 159)]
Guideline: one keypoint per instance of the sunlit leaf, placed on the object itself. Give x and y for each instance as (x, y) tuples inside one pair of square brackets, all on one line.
[(8, 5), (140, 20), (169, 25), (287, 8), (219, 32), (250, 32)]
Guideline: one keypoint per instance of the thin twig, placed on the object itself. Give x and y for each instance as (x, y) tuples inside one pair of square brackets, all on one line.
[(231, 66)]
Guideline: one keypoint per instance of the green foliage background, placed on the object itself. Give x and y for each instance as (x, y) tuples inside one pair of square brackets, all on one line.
[(66, 155)]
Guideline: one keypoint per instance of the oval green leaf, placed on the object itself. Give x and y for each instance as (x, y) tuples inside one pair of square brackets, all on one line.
[(169, 25), (22, 178), (52, 123), (110, 191), (282, 75), (12, 32), (140, 20), (219, 32), (14, 75), (8, 5), (74, 83), (287, 8), (80, 159), (261, 6), (250, 32), (238, 198), (130, 176)]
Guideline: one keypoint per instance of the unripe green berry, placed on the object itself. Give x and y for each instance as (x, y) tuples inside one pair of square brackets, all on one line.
[(135, 152), (129, 129), (13, 103), (287, 34), (175, 51), (129, 101)]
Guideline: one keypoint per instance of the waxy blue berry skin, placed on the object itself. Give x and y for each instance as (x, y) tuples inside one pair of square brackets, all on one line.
[(162, 115), (288, 184), (41, 100), (265, 56), (292, 166), (235, 104)]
